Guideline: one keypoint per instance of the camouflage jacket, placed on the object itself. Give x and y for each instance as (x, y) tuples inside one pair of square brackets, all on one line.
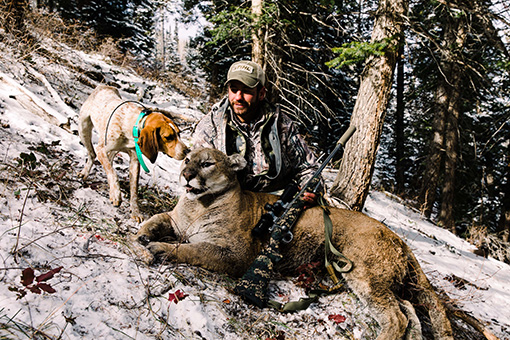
[(275, 151)]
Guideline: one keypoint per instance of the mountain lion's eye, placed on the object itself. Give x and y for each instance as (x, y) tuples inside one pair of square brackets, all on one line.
[(207, 164)]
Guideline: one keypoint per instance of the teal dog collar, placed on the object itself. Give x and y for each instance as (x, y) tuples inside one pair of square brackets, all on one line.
[(136, 135)]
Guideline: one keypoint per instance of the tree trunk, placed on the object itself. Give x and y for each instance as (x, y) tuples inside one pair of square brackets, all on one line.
[(430, 182), (399, 126), (353, 180), (257, 53), (445, 142), (446, 215), (215, 90), (457, 37)]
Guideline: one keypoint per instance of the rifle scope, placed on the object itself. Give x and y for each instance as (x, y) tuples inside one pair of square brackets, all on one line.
[(273, 210)]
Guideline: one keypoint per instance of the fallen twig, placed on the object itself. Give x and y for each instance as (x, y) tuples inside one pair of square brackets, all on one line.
[(15, 249)]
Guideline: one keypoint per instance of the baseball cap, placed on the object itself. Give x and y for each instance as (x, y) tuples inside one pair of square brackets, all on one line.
[(247, 72)]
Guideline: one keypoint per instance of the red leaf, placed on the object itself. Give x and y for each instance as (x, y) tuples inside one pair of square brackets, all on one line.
[(48, 275), (279, 336), (46, 287), (305, 281), (308, 267), (177, 296), (337, 318), (27, 276), (34, 289)]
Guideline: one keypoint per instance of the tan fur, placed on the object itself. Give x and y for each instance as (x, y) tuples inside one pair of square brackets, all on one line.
[(159, 134), (211, 227)]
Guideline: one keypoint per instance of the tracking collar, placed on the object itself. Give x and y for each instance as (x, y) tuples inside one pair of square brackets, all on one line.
[(136, 135)]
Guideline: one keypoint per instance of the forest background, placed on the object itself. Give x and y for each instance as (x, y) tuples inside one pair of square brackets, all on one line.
[(424, 82)]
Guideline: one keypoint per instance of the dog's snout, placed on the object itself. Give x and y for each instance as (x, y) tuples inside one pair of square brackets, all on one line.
[(180, 151)]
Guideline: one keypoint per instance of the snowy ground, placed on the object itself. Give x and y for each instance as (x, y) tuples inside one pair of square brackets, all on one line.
[(53, 223)]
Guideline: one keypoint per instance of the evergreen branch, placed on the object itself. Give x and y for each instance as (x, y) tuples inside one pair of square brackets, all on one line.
[(357, 52)]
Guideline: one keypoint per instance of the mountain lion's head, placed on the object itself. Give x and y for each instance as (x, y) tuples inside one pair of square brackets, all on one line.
[(207, 171)]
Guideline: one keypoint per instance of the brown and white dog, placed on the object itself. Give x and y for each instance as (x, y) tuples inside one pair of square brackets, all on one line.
[(113, 118)]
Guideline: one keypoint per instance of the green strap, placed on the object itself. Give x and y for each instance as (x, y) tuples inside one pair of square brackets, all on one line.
[(328, 245), (293, 306), (302, 303), (136, 135), (314, 295)]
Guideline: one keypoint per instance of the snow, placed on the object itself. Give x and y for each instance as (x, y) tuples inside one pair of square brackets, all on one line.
[(105, 291)]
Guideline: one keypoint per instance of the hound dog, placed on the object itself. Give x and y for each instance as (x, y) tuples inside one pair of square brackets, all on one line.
[(115, 119)]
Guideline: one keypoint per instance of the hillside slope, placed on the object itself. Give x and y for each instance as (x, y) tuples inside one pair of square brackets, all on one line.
[(57, 225)]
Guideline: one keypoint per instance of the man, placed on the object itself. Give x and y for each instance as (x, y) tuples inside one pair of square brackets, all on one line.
[(245, 122)]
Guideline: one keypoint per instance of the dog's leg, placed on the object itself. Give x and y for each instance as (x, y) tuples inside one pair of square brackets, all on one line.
[(134, 176), (111, 175), (85, 132)]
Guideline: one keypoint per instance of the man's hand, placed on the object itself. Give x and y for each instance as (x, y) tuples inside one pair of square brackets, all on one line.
[(310, 199)]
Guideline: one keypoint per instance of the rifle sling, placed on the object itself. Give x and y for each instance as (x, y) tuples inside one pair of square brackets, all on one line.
[(328, 245), (314, 295)]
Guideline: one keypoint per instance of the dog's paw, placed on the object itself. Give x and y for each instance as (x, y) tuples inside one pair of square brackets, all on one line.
[(115, 196), (83, 174), (137, 217)]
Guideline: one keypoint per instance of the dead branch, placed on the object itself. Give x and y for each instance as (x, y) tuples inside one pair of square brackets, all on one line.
[(54, 94), (472, 321), (31, 103)]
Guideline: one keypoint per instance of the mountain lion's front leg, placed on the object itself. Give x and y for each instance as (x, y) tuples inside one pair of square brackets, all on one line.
[(158, 227), (203, 254)]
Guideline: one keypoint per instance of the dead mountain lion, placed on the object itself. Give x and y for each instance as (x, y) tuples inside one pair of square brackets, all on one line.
[(211, 227)]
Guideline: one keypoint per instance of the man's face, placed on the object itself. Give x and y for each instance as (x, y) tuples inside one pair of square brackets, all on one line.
[(244, 100)]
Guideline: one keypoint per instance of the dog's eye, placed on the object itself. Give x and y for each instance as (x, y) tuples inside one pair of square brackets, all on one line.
[(167, 137)]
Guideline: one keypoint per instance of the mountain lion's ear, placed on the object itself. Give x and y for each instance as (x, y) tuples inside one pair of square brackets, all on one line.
[(237, 162)]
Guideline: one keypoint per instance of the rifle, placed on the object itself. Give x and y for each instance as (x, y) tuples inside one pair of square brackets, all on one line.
[(278, 220)]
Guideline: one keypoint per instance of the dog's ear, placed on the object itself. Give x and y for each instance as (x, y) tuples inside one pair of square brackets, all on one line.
[(148, 142), (237, 162)]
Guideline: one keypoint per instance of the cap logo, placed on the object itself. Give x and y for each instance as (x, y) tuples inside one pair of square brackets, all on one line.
[(242, 68)]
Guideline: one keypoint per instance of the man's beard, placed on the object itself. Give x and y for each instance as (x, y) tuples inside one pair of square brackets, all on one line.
[(242, 111), (247, 111)]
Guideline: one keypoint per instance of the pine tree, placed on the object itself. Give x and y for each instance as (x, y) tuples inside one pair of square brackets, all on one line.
[(474, 69), (355, 174), (297, 38)]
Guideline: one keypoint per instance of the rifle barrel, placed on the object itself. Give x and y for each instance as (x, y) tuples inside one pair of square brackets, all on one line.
[(347, 134), (341, 142)]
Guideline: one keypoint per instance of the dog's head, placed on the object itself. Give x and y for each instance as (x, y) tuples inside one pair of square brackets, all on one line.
[(161, 134)]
